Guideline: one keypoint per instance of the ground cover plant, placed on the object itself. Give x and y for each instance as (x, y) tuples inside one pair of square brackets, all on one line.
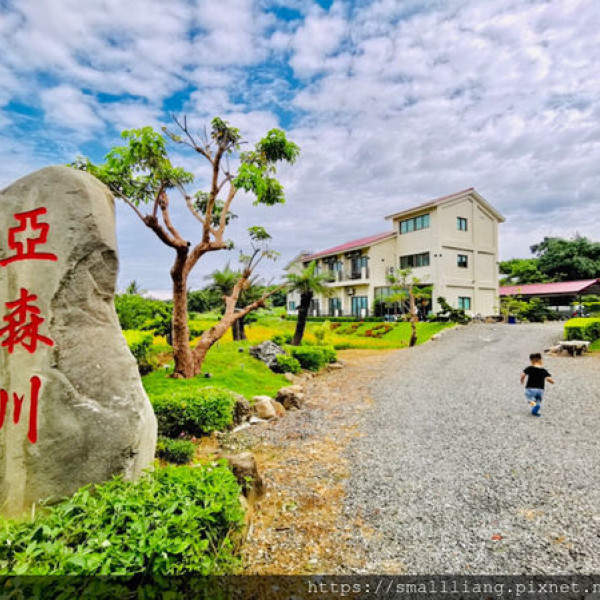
[(173, 520)]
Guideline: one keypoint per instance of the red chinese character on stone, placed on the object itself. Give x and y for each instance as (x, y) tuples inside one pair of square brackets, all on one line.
[(36, 384), (27, 251), (23, 324)]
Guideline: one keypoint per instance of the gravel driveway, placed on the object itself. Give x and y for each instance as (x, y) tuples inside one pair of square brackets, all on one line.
[(453, 474)]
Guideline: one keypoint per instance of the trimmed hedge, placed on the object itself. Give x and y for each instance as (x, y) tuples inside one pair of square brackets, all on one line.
[(313, 358), (179, 452), (193, 412), (582, 329), (337, 319), (172, 521)]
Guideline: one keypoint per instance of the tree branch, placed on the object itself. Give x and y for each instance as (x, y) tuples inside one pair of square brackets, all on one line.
[(225, 211), (164, 208), (192, 142)]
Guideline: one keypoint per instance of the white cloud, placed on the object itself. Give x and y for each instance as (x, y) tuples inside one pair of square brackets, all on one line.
[(68, 107)]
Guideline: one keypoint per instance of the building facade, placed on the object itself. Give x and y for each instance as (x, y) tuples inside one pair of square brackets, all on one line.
[(450, 244)]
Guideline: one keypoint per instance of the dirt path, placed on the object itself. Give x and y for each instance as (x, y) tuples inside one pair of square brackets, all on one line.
[(299, 526)]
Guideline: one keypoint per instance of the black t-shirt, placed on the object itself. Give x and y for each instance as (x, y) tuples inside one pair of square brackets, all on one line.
[(536, 377)]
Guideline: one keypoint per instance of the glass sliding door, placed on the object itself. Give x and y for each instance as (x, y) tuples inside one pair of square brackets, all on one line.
[(360, 306)]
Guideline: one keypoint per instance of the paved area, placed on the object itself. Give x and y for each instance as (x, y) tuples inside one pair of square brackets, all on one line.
[(453, 475)]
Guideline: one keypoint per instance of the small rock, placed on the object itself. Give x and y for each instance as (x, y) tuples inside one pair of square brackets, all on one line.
[(278, 407), (290, 377), (267, 352), (245, 470), (263, 408), (241, 427), (334, 366), (291, 397), (208, 375), (242, 410)]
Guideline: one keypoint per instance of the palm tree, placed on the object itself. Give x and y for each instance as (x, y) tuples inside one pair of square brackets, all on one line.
[(223, 283), (407, 290), (307, 284)]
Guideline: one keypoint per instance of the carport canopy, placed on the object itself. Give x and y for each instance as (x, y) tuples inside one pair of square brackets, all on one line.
[(564, 290)]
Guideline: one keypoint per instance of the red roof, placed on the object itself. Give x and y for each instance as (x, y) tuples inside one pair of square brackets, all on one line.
[(366, 241), (535, 289)]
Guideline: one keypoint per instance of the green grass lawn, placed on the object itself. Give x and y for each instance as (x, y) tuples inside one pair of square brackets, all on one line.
[(245, 375), (231, 369), (595, 346)]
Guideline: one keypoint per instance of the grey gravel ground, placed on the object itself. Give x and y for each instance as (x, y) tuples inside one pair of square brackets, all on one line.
[(454, 475)]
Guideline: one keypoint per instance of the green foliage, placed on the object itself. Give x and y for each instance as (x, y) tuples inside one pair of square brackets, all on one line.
[(592, 308), (337, 319), (198, 412), (449, 313), (521, 271), (139, 170), (257, 166), (171, 521), (140, 344), (288, 364), (568, 260), (582, 329), (144, 314), (177, 451), (282, 338), (313, 358), (535, 311)]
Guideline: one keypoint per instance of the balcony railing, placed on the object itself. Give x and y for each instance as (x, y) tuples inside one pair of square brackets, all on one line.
[(340, 276)]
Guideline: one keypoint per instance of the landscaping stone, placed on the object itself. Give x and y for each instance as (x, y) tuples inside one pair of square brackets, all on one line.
[(263, 407), (278, 407), (267, 352), (335, 366), (84, 415), (242, 410), (290, 397), (253, 420), (246, 472)]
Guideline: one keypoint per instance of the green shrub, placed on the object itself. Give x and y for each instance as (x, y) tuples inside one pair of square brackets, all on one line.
[(171, 521), (179, 451), (136, 312), (582, 329), (193, 411), (140, 344), (592, 308), (535, 311), (282, 338), (313, 358), (336, 319), (288, 364)]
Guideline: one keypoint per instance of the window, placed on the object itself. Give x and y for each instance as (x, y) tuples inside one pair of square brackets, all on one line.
[(335, 307), (462, 224), (464, 302), (414, 224), (462, 261), (291, 306), (359, 306), (414, 260)]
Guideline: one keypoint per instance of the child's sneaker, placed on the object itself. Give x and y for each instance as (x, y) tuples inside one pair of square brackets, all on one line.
[(535, 411), (532, 403)]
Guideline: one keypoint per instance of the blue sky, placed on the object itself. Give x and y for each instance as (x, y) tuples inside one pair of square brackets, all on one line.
[(392, 103)]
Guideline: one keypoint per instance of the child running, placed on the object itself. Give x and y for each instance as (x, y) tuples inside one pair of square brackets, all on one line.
[(536, 377)]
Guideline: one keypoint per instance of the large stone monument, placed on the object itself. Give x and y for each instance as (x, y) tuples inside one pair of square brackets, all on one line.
[(72, 407)]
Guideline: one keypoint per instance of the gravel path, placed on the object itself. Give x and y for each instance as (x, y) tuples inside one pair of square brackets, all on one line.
[(453, 475)]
